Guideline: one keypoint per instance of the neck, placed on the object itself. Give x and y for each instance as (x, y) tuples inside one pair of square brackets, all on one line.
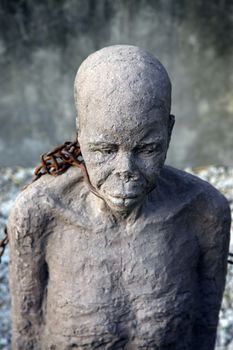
[(101, 209)]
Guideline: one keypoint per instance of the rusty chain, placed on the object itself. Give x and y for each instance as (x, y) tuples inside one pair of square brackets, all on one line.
[(59, 160), (55, 163)]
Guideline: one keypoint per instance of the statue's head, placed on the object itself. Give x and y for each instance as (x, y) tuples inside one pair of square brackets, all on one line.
[(123, 98)]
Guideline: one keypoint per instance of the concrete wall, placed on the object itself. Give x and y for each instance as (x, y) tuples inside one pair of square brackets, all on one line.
[(42, 44)]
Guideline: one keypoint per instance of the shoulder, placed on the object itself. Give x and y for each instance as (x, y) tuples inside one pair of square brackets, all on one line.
[(208, 209), (34, 206), (197, 190)]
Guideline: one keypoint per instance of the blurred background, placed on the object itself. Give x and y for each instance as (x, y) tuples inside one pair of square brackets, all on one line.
[(42, 43)]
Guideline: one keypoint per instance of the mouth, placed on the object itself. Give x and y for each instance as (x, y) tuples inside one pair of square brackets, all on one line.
[(123, 200), (124, 196)]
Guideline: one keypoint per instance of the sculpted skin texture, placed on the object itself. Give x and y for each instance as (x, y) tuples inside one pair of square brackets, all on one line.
[(143, 264)]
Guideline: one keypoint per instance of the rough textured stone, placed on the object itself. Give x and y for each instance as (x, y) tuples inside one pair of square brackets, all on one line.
[(141, 266)]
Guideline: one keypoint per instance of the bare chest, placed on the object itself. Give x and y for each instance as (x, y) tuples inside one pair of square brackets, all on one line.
[(127, 286)]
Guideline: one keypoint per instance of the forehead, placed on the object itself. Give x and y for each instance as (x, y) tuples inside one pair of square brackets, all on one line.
[(121, 124), (122, 107)]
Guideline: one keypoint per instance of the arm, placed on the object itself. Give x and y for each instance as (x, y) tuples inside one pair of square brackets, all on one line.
[(28, 274), (214, 244)]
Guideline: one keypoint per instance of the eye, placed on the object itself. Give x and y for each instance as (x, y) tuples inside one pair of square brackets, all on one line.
[(107, 151), (104, 150), (149, 149)]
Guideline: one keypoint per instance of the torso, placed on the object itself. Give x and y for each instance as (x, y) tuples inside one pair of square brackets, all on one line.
[(123, 286)]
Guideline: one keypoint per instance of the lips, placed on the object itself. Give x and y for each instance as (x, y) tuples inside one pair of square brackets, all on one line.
[(121, 202), (124, 196)]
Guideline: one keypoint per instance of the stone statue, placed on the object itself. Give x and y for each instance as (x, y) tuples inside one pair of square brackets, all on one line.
[(140, 261)]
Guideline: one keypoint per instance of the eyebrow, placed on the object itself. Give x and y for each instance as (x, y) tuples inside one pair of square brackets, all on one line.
[(150, 143), (155, 141), (102, 143), (151, 140), (147, 135)]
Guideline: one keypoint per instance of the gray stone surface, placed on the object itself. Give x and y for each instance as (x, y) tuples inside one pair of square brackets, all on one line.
[(143, 264)]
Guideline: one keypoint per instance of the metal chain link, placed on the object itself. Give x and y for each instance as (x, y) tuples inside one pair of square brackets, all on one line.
[(57, 161)]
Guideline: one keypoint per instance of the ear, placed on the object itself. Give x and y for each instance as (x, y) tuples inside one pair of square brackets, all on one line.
[(171, 122)]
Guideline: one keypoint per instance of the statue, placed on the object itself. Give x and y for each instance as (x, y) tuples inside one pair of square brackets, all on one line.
[(137, 259)]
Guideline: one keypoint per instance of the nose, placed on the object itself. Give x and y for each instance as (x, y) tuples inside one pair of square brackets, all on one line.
[(125, 167)]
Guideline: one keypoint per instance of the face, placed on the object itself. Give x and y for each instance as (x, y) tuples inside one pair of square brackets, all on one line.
[(124, 155)]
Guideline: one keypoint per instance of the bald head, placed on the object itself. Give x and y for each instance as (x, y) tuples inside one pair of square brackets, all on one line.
[(119, 80), (123, 98)]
